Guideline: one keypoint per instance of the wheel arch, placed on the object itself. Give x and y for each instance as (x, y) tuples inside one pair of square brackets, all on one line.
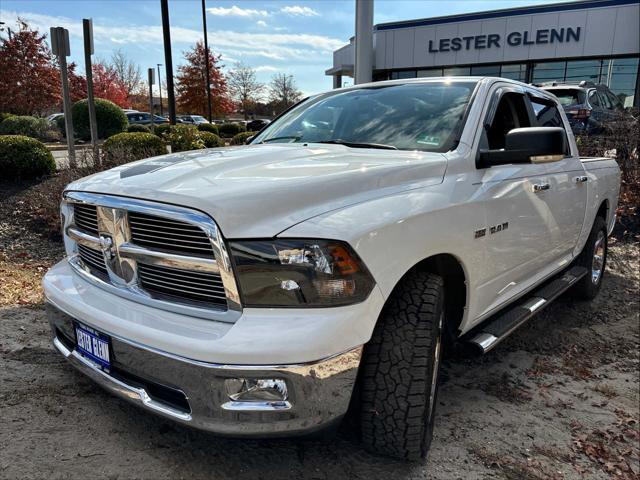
[(603, 210), (451, 268)]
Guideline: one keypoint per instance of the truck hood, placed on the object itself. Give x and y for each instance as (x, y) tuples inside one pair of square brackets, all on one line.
[(260, 190)]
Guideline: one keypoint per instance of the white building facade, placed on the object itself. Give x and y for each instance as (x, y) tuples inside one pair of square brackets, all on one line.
[(595, 40)]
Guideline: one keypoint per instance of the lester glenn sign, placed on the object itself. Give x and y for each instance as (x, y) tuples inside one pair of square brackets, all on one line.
[(513, 39)]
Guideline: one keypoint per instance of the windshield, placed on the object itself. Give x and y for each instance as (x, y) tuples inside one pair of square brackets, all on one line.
[(568, 96), (418, 116), (198, 118)]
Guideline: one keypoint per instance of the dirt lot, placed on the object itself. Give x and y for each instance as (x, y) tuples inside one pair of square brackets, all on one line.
[(559, 400)]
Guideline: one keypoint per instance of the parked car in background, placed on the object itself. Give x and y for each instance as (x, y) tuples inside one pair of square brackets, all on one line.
[(53, 117), (192, 119), (257, 124), (588, 106), (144, 118)]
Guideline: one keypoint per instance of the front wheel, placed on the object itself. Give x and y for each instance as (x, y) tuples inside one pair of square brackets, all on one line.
[(594, 258), (400, 369)]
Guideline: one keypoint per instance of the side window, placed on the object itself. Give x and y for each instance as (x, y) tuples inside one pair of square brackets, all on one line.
[(511, 113), (594, 101), (546, 113), (615, 101), (605, 100)]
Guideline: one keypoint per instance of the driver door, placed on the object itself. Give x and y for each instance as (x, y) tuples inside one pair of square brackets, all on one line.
[(515, 238)]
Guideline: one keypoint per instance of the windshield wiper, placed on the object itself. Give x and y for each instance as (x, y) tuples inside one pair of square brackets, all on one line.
[(358, 144), (291, 137)]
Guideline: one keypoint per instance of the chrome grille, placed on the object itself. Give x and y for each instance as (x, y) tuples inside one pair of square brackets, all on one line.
[(166, 256), (93, 259), (168, 235), (86, 218), (168, 283)]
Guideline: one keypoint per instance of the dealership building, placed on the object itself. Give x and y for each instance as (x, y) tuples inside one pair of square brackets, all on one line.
[(595, 40)]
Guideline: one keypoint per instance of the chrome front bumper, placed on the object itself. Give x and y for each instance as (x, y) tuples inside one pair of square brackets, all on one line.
[(193, 392)]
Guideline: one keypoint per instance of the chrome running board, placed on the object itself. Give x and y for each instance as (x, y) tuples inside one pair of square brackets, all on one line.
[(497, 328)]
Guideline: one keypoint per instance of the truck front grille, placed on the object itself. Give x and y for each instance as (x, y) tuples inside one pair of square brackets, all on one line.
[(168, 235), (86, 218), (172, 283), (93, 259), (162, 255)]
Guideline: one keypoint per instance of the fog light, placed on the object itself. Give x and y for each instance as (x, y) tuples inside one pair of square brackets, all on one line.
[(256, 394)]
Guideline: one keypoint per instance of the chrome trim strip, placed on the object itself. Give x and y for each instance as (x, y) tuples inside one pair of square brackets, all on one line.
[(83, 238), (117, 386), (163, 259), (256, 406), (112, 213)]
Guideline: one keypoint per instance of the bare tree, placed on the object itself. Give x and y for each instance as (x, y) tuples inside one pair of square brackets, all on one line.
[(126, 71), (283, 91), (244, 87)]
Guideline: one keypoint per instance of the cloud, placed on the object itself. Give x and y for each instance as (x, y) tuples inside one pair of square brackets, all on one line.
[(298, 11), (301, 47), (261, 23), (235, 11)]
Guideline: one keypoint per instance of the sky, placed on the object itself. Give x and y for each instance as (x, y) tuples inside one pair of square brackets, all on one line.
[(294, 37)]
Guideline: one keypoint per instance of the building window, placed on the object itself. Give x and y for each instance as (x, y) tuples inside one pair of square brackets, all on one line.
[(403, 74), (622, 75), (583, 70), (456, 71), (430, 72), (548, 72), (517, 72), (486, 70)]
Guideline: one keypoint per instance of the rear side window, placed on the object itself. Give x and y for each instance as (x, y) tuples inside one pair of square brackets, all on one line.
[(615, 101), (546, 113), (569, 96), (606, 101), (594, 100)]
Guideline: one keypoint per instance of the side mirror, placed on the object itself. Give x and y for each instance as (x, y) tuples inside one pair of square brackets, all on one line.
[(528, 145)]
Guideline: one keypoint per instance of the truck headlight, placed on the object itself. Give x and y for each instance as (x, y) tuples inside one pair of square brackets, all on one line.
[(299, 273)]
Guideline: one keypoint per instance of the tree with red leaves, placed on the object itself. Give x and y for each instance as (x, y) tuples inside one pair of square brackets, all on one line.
[(77, 83), (107, 85), (29, 81), (191, 84)]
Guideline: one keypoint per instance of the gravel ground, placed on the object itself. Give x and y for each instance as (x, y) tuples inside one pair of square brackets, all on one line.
[(559, 399)]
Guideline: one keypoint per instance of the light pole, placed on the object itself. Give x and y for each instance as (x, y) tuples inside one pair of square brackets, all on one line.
[(364, 42), (160, 88), (166, 34), (206, 58)]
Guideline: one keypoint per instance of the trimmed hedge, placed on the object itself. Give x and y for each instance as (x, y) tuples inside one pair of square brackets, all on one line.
[(5, 115), (183, 138), (241, 138), (22, 157), (138, 128), (162, 129), (230, 130), (130, 146), (211, 140), (208, 127), (25, 125), (110, 118)]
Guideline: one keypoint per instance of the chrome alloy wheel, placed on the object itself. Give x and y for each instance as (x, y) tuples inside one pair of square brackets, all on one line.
[(597, 263)]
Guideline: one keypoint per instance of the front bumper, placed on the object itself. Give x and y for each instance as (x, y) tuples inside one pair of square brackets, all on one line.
[(193, 392)]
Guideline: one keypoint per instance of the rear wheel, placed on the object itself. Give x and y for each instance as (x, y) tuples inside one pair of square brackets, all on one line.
[(594, 258), (400, 369)]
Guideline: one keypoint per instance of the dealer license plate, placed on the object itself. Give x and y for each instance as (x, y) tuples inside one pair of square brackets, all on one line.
[(93, 345)]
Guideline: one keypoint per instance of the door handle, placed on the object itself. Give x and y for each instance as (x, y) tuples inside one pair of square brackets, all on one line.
[(540, 187), (582, 179)]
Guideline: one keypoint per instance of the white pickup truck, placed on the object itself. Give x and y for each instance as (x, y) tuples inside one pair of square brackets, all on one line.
[(263, 290)]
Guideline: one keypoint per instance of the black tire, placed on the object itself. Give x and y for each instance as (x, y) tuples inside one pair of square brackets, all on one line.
[(589, 286), (399, 366)]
